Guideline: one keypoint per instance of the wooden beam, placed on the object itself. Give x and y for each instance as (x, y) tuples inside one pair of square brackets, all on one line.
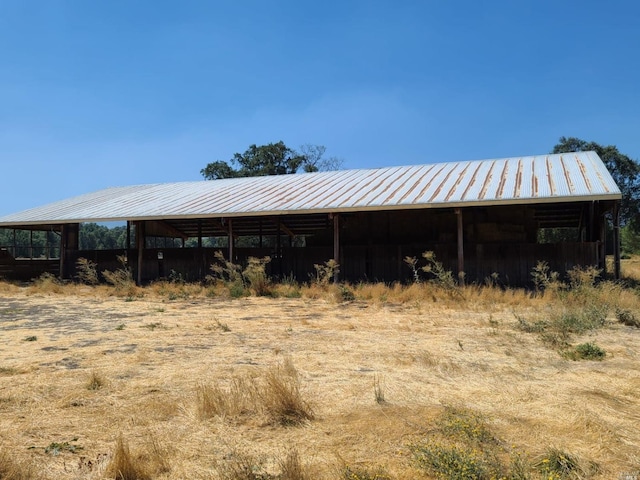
[(63, 252), (160, 228), (230, 239), (284, 228), (458, 213), (140, 244), (336, 245), (616, 240)]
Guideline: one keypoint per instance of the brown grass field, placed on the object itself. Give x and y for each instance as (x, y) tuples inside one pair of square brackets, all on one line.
[(177, 381)]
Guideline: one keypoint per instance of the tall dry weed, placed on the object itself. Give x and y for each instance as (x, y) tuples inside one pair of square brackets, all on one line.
[(123, 466), (13, 469), (281, 396), (238, 398)]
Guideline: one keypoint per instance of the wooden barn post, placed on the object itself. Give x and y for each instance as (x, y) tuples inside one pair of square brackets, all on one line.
[(616, 240), (336, 245), (140, 244), (458, 213), (230, 241)]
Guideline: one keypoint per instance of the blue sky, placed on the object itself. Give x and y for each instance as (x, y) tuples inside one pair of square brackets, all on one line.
[(96, 94)]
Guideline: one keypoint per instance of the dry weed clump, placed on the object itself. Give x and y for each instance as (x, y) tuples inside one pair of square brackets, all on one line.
[(281, 396), (87, 271), (12, 469), (124, 466), (146, 465), (275, 394), (46, 283), (239, 398)]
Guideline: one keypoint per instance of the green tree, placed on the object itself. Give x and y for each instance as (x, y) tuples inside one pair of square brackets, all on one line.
[(271, 159), (624, 170)]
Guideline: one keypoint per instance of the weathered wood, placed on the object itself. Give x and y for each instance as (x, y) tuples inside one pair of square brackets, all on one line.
[(616, 240), (458, 213), (140, 245), (336, 245), (230, 241)]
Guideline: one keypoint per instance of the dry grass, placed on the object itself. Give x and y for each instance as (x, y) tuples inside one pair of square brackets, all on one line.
[(123, 466), (195, 400)]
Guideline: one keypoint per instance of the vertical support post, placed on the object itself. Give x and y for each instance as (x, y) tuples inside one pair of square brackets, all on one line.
[(616, 240), (458, 213), (279, 246), (63, 251), (128, 240), (336, 245), (591, 226), (200, 255), (230, 241), (140, 244)]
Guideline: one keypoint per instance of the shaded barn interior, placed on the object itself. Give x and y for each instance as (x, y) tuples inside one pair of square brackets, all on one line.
[(481, 219)]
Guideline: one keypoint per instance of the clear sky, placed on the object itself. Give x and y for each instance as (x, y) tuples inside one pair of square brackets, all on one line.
[(106, 93)]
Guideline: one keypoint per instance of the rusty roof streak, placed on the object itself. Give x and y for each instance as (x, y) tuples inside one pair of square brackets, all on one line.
[(471, 182), (456, 183), (597, 170), (408, 184), (376, 181), (416, 184), (487, 181), (425, 189), (552, 185), (344, 186), (503, 180), (567, 176), (583, 172), (518, 186), (435, 194)]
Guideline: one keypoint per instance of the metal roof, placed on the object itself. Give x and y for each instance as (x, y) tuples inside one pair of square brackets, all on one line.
[(555, 178)]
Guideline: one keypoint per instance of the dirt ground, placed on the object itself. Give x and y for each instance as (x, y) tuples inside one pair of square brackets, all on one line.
[(152, 354)]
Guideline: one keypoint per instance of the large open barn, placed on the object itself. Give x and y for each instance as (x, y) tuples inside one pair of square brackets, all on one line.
[(499, 216)]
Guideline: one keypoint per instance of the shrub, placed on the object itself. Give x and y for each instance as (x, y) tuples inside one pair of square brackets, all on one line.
[(256, 277), (225, 270), (557, 464), (364, 473), (87, 271), (326, 272), (461, 447), (586, 351), (238, 280), (627, 317), (451, 462), (544, 278), (464, 424), (583, 277), (121, 278)]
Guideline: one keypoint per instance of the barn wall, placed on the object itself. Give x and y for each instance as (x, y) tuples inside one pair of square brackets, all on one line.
[(373, 245)]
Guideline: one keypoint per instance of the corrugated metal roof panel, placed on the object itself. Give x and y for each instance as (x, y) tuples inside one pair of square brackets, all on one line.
[(535, 179)]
